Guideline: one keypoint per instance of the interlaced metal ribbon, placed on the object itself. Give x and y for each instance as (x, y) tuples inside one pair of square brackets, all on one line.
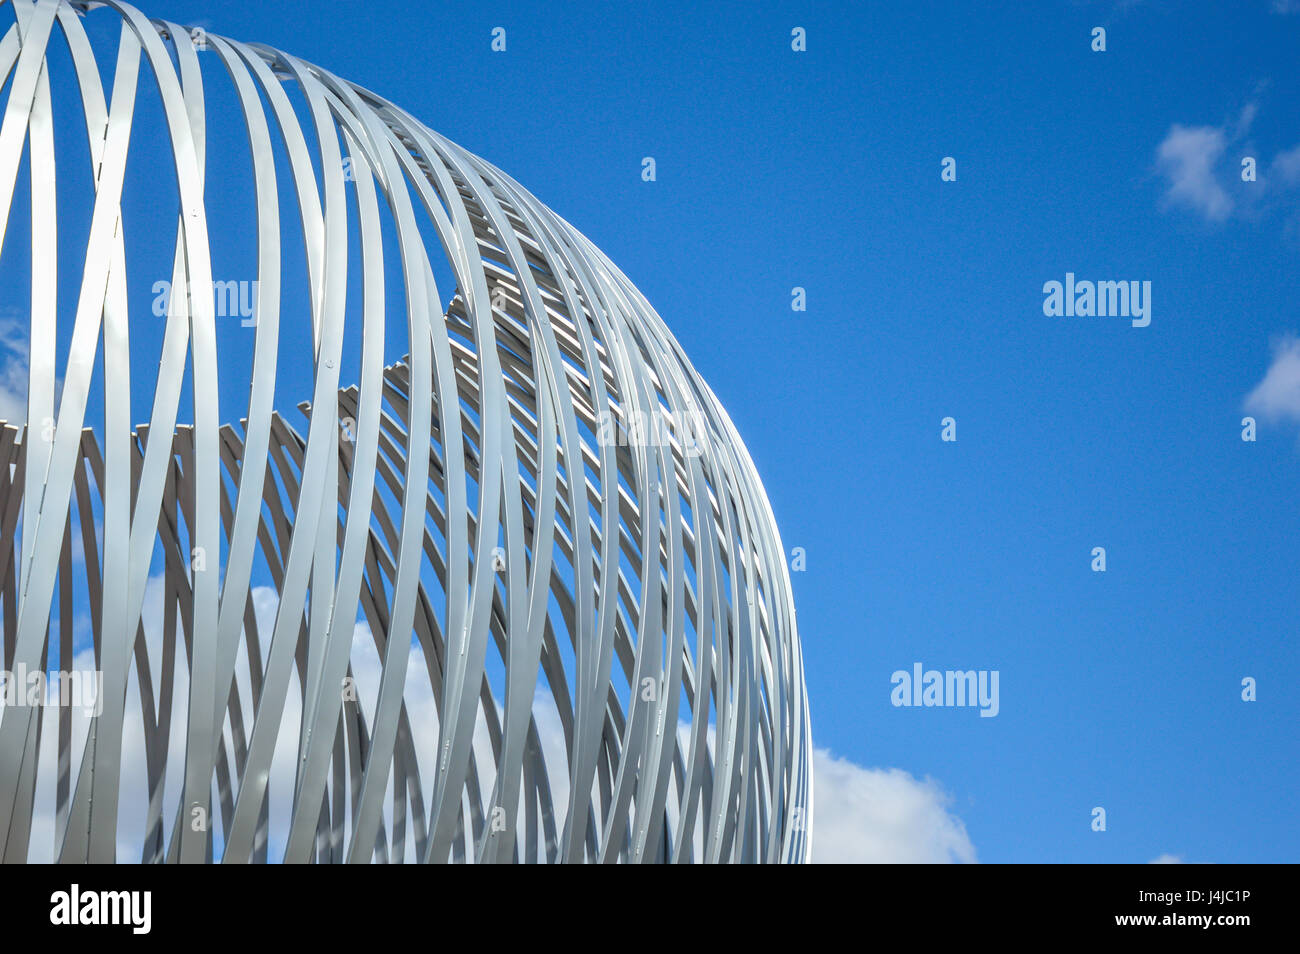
[(585, 512)]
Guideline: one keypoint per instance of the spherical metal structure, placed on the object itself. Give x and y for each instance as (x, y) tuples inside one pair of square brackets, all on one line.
[(496, 565)]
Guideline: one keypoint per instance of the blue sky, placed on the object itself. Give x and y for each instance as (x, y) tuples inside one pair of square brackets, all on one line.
[(821, 169)]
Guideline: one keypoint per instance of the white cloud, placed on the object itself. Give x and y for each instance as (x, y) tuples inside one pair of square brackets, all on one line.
[(1286, 6), (1248, 114), (13, 371), (133, 794), (1286, 165), (1187, 158), (861, 815), (1166, 859), (1278, 395), (366, 669), (1200, 167), (882, 816)]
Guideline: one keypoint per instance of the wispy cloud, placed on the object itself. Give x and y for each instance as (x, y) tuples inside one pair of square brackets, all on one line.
[(1202, 167), (13, 371), (1187, 158), (882, 815), (1286, 166), (1277, 397)]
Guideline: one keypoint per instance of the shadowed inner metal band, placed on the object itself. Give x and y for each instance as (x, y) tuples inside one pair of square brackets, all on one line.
[(584, 559)]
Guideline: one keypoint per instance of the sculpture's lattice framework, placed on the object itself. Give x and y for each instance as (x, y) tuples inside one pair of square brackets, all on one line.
[(545, 548)]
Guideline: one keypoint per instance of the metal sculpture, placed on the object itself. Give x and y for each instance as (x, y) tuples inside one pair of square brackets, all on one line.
[(585, 534)]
